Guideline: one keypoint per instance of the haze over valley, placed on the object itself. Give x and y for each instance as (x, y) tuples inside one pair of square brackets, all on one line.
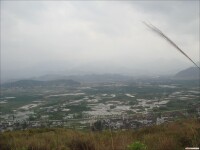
[(76, 38), (72, 68)]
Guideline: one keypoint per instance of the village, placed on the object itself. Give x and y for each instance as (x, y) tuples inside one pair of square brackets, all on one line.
[(80, 109)]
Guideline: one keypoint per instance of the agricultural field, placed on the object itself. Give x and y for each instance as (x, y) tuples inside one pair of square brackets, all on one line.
[(82, 104)]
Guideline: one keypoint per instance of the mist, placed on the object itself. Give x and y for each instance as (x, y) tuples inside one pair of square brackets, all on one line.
[(66, 37)]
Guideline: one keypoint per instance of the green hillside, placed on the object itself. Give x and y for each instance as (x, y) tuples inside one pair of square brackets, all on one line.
[(171, 136)]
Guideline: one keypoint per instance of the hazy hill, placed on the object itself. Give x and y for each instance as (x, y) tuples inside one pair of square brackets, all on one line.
[(50, 77), (31, 83), (86, 78), (191, 73)]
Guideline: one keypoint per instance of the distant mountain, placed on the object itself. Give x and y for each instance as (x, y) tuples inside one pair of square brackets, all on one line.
[(192, 73), (32, 83), (50, 77), (86, 78)]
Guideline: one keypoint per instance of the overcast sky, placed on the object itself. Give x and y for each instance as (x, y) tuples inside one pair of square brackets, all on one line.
[(48, 37)]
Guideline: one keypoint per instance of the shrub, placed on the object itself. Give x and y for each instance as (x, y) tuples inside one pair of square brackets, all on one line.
[(137, 146)]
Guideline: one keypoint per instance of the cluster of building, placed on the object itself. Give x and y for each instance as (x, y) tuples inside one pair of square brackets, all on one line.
[(105, 111), (115, 122)]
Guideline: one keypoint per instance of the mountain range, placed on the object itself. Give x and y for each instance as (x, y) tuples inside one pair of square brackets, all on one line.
[(33, 83), (192, 73)]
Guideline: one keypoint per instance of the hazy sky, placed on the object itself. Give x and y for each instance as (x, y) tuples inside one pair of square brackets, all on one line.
[(100, 36)]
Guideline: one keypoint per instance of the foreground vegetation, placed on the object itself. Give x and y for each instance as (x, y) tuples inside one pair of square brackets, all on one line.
[(171, 136)]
